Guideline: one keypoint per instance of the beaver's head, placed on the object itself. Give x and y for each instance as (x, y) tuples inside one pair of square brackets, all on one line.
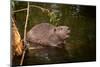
[(62, 32)]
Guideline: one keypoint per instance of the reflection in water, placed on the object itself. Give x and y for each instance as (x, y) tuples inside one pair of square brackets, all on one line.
[(46, 55)]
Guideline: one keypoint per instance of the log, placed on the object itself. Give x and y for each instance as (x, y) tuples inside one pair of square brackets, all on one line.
[(16, 43)]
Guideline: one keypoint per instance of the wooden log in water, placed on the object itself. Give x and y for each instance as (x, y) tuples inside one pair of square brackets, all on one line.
[(16, 41)]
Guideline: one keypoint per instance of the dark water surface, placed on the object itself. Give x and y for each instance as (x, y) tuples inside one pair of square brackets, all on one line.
[(79, 47)]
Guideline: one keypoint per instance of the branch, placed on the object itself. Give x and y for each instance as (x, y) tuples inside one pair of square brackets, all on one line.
[(43, 9), (24, 9), (25, 33), (26, 22), (20, 10)]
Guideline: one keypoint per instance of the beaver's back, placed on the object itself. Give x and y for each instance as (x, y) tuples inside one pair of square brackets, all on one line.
[(40, 32)]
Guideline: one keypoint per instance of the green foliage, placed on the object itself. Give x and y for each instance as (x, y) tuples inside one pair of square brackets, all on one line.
[(53, 18)]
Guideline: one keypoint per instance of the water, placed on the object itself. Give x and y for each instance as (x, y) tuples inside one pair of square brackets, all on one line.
[(81, 45)]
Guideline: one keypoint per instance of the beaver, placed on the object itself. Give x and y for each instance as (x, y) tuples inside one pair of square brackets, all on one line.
[(46, 44), (46, 34)]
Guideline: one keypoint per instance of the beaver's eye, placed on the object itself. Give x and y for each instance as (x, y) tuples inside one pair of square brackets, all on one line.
[(54, 30), (61, 28)]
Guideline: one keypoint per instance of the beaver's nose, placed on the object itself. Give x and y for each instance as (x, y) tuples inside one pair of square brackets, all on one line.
[(67, 36)]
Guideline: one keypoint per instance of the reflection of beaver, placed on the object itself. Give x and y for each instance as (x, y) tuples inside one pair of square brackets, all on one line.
[(46, 34)]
